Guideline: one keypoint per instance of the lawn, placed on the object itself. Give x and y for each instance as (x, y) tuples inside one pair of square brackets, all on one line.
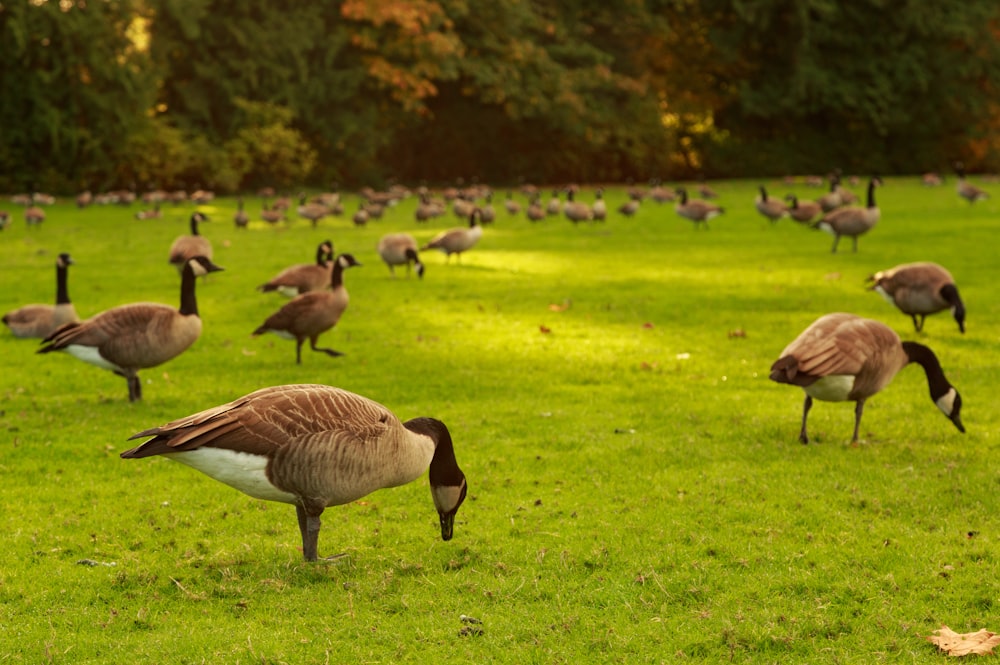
[(637, 490)]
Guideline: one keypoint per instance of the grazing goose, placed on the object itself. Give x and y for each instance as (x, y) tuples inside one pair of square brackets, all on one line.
[(536, 212), (696, 210), (153, 213), (42, 320), (312, 314), (311, 210), (456, 241), (706, 192), (967, 190), (241, 219), (919, 289), (832, 199), (931, 179), (361, 215), (34, 215), (843, 357), (513, 207), (312, 446), (187, 247), (661, 194), (575, 211), (271, 215), (554, 206), (630, 207), (852, 221), (770, 208), (802, 211), (398, 249), (131, 337), (304, 277), (489, 214), (599, 209)]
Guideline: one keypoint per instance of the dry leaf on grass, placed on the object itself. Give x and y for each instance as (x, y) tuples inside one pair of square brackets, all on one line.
[(980, 643)]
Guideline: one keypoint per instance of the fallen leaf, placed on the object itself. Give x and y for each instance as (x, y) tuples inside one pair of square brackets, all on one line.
[(647, 325), (980, 643), (545, 329), (554, 307), (831, 276), (738, 332)]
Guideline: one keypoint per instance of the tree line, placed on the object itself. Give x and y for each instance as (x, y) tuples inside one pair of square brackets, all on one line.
[(239, 94)]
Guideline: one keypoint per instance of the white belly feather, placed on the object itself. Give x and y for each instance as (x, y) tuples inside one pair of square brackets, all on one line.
[(833, 388), (90, 354), (242, 471)]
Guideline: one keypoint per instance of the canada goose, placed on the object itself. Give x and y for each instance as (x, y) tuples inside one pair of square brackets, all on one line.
[(832, 199), (802, 211), (427, 209), (696, 210), (770, 208), (398, 249), (706, 192), (4, 219), (462, 207), (575, 211), (919, 289), (34, 215), (536, 212), (852, 221), (153, 213), (312, 446), (554, 206), (843, 357), (489, 214), (131, 337), (630, 207), (634, 192), (311, 211), (303, 277), (931, 179), (189, 246), (967, 190), (42, 320), (456, 241), (513, 207), (661, 194), (312, 314), (241, 219), (599, 209), (84, 199), (361, 216)]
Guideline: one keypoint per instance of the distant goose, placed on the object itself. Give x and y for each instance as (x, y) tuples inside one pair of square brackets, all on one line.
[(576, 211), (599, 209), (661, 194), (241, 219), (456, 241), (630, 207), (42, 320), (128, 338), (696, 210), (311, 211), (853, 221), (153, 213), (967, 190), (536, 212), (931, 179), (919, 289), (312, 446), (489, 214), (187, 247), (770, 208), (555, 205), (843, 357), (513, 207), (34, 215), (311, 314), (303, 277), (272, 215), (802, 211), (832, 199), (398, 249)]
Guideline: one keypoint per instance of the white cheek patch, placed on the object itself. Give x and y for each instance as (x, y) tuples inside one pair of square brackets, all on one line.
[(90, 354), (242, 471), (833, 388), (947, 402), (446, 498), (826, 227)]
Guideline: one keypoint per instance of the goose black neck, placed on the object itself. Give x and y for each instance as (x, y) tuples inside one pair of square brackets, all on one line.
[(763, 194), (194, 225), (444, 469), (321, 256), (871, 193), (684, 195), (62, 289), (949, 293), (337, 275), (922, 355), (189, 304), (795, 201)]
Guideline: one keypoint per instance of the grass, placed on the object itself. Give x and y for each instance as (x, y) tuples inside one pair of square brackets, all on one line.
[(637, 492)]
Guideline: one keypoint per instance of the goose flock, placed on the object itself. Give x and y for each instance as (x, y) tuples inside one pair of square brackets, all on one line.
[(317, 446)]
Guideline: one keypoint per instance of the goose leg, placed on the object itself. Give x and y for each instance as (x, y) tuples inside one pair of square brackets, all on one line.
[(329, 352), (309, 528), (836, 240), (857, 420), (298, 351), (134, 388), (855, 239), (803, 437), (922, 318)]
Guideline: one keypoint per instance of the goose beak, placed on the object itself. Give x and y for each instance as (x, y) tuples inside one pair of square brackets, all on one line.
[(955, 419), (448, 525)]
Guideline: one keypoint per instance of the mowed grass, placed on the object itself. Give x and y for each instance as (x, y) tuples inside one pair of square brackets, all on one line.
[(637, 491)]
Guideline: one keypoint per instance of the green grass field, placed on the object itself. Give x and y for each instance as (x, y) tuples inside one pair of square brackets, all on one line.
[(637, 490)]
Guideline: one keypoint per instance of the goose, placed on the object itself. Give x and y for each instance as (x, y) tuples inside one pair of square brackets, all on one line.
[(706, 192), (4, 219), (696, 210), (313, 446), (599, 209), (575, 211), (919, 289), (34, 215), (271, 215), (513, 207), (303, 277), (456, 241), (852, 221), (361, 215), (42, 320), (312, 314), (241, 219), (152, 213), (832, 199), (931, 179), (770, 208), (843, 357), (311, 211), (802, 211), (398, 249), (630, 207), (554, 206), (661, 194), (536, 212), (187, 247), (489, 214), (138, 336), (967, 190)]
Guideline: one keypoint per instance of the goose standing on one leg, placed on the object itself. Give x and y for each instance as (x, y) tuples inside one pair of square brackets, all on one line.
[(398, 249), (843, 357), (131, 337), (311, 314), (456, 241), (919, 289), (42, 320), (304, 277), (313, 446), (852, 221), (190, 246)]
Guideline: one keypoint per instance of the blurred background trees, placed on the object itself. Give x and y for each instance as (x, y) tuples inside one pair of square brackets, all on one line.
[(238, 94)]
